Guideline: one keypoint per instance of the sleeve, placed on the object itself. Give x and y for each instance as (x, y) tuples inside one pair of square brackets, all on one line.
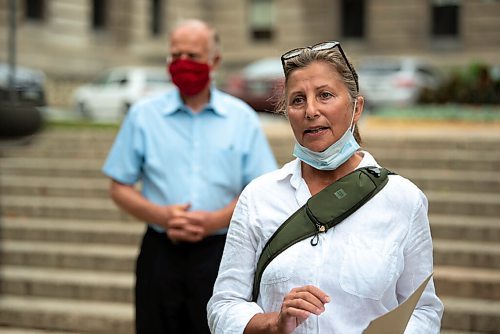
[(259, 158), (426, 319), (229, 310), (124, 161)]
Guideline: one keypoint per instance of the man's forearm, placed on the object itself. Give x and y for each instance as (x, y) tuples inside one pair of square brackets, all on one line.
[(132, 201), (222, 217)]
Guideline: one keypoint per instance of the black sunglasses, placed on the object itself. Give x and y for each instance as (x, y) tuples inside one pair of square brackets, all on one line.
[(319, 47)]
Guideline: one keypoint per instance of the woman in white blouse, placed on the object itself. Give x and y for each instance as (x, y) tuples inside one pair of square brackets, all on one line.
[(355, 272)]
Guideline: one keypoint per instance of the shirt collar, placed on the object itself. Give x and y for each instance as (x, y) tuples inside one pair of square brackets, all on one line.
[(368, 160), (216, 103), (293, 169)]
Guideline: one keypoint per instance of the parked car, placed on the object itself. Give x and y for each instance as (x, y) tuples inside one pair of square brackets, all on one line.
[(29, 85), (110, 95), (257, 83), (21, 115), (396, 81)]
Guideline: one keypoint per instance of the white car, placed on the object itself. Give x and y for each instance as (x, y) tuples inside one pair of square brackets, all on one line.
[(385, 81), (110, 95)]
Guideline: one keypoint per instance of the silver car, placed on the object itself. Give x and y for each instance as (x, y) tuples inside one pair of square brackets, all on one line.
[(29, 85), (388, 81)]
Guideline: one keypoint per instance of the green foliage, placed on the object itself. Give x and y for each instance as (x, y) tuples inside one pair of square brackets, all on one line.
[(474, 84), (78, 124)]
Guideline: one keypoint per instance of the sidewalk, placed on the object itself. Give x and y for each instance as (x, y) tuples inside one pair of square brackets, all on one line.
[(393, 127)]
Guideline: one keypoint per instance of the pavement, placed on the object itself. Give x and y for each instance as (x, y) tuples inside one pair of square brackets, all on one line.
[(394, 127), (371, 123)]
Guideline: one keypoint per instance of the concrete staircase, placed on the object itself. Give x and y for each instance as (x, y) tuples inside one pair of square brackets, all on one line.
[(67, 253)]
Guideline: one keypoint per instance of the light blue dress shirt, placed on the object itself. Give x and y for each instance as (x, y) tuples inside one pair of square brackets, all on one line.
[(205, 158)]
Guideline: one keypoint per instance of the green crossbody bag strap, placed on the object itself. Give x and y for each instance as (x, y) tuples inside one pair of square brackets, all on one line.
[(321, 212)]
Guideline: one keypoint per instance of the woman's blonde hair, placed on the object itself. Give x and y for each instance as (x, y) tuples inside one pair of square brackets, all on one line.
[(333, 58)]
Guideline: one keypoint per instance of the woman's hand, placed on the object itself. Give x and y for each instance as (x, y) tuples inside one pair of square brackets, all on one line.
[(298, 305)]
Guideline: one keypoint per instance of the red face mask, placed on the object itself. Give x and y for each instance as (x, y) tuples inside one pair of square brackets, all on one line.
[(189, 76)]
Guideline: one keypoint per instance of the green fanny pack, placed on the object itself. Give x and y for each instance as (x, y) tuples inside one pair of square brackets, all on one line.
[(321, 212)]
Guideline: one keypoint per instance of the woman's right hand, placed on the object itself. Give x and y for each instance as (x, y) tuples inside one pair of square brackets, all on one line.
[(298, 305)]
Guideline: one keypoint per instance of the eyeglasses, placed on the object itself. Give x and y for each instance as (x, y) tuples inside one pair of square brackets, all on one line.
[(319, 47)]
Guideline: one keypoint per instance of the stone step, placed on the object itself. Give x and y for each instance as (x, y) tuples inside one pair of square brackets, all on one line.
[(475, 254), (457, 143), (51, 167), (54, 148), (115, 286), (67, 255), (70, 230), (62, 207), (464, 315), (453, 180), (452, 331), (427, 180), (430, 153), (70, 166), (463, 203), (425, 137), (66, 315), (67, 284), (385, 142), (481, 283), (55, 186), (445, 203), (17, 330), (97, 151), (91, 168), (471, 315), (472, 228), (121, 257), (78, 135), (466, 163)]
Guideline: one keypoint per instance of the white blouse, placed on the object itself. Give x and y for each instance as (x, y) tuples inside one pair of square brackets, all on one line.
[(368, 264)]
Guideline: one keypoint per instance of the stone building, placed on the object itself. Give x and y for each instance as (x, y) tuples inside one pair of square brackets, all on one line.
[(72, 40)]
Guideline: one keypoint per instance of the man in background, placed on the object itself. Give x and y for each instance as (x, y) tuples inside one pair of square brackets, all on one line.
[(193, 149)]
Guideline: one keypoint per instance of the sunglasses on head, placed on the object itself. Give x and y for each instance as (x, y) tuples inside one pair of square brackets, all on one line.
[(319, 47)]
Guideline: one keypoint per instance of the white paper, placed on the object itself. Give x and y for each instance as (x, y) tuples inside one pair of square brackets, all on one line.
[(395, 321)]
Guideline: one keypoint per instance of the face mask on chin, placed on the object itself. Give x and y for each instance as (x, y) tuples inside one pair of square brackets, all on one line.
[(335, 155), (189, 76)]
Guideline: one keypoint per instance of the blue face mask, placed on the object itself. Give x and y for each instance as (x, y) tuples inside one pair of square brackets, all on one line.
[(334, 156)]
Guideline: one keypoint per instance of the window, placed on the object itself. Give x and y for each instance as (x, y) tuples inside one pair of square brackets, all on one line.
[(34, 9), (99, 17), (445, 18), (353, 18), (156, 17), (261, 19)]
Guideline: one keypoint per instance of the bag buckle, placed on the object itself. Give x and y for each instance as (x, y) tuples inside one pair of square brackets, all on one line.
[(375, 171)]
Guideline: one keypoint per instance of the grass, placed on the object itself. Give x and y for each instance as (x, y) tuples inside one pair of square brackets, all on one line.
[(482, 113), (462, 113), (80, 124)]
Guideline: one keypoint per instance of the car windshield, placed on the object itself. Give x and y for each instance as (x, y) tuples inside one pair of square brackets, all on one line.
[(22, 74), (268, 67), (101, 79), (157, 78)]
